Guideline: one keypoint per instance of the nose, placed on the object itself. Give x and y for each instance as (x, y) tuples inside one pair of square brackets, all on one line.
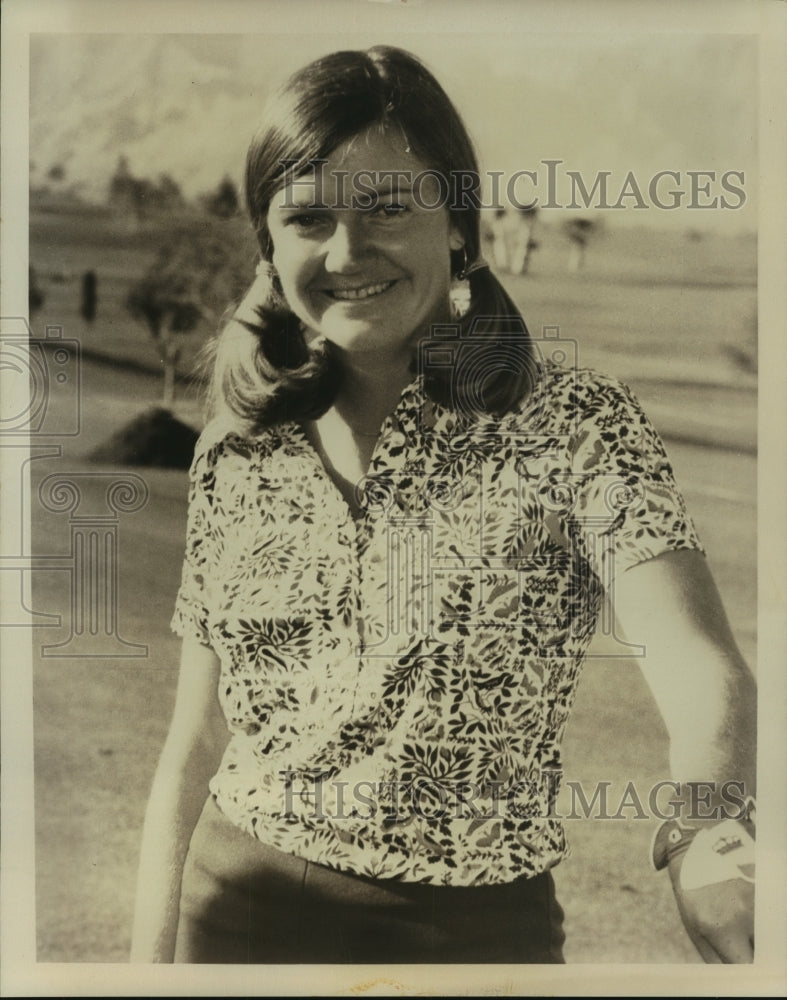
[(348, 244)]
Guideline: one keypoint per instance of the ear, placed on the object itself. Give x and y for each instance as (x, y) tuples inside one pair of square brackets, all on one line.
[(455, 239)]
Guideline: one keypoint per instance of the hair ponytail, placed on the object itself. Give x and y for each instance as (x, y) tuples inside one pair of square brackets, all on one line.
[(493, 366), (262, 369)]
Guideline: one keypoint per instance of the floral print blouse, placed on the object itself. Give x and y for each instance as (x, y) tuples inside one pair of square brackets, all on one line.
[(397, 683)]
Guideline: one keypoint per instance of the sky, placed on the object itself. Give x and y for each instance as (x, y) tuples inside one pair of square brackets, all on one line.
[(632, 105)]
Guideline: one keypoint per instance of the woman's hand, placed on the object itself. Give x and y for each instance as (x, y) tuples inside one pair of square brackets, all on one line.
[(707, 698), (719, 917), (711, 866)]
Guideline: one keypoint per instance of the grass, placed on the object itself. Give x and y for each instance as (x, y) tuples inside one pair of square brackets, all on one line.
[(663, 322)]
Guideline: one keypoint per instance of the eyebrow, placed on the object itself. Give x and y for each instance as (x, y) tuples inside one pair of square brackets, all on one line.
[(387, 187), (297, 202)]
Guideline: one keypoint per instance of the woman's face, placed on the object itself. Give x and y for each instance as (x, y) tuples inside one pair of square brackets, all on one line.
[(370, 280)]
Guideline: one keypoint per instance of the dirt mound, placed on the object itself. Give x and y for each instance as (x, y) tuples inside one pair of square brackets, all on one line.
[(154, 438)]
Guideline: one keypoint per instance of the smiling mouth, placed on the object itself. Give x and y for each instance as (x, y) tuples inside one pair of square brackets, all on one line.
[(363, 292)]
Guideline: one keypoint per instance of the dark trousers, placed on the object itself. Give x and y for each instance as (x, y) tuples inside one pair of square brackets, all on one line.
[(244, 902)]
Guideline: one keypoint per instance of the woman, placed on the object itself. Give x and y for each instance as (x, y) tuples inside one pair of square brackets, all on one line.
[(402, 522)]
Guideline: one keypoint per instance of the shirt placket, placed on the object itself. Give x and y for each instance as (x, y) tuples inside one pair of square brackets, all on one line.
[(392, 551)]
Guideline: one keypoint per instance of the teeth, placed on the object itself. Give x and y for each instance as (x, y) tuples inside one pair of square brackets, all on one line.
[(351, 294)]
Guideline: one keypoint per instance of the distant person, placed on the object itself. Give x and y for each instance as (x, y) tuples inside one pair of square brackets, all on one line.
[(500, 239), (35, 294), (578, 232), (89, 296), (523, 243), (402, 524)]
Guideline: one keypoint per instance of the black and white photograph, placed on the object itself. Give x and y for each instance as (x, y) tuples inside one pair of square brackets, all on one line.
[(393, 551)]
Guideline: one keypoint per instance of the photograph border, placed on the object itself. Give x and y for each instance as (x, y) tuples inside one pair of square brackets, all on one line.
[(21, 975)]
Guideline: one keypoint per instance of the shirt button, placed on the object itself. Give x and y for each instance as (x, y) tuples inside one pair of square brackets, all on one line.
[(397, 440)]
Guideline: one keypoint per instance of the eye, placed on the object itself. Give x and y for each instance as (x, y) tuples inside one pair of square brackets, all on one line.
[(392, 209), (303, 222)]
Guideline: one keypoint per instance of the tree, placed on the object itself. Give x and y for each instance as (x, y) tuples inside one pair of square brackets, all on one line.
[(139, 198), (121, 183), (167, 194), (224, 201), (196, 274)]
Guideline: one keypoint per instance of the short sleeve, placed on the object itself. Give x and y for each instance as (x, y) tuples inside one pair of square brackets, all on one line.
[(627, 507), (203, 542)]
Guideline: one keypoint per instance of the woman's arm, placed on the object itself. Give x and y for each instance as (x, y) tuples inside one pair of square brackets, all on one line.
[(707, 698), (195, 743), (703, 688)]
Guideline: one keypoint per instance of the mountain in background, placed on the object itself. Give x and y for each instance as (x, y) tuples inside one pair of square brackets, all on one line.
[(162, 107), (187, 106)]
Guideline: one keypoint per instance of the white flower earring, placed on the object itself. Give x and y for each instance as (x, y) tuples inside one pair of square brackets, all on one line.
[(459, 294)]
